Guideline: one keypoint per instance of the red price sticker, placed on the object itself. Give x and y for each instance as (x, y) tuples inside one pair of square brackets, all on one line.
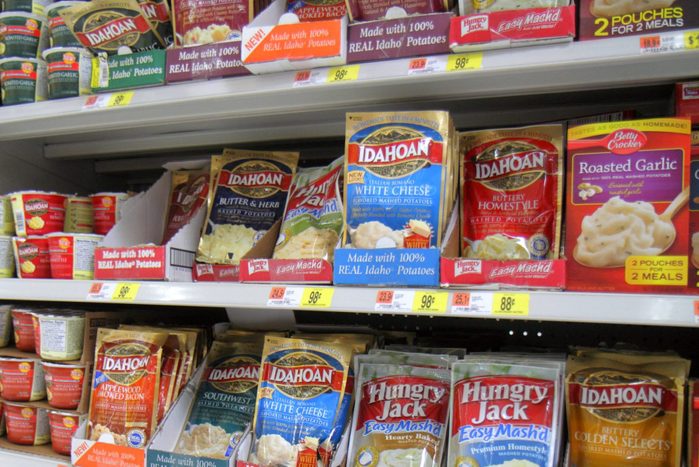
[(696, 311), (277, 293), (417, 64), (650, 42), (461, 299), (384, 297)]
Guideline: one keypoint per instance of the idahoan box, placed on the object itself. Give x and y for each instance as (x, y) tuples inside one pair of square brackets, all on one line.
[(602, 19), (627, 217)]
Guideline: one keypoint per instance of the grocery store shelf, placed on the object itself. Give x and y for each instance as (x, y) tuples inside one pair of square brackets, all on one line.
[(10, 456), (659, 310), (270, 107)]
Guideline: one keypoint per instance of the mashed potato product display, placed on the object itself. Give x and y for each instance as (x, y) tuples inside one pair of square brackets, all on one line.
[(397, 173), (693, 219), (112, 25), (313, 216), (37, 212), (247, 196), (198, 22), (124, 396), (505, 412), (512, 193), (300, 394), (225, 401), (625, 410), (188, 193), (627, 217), (400, 415)]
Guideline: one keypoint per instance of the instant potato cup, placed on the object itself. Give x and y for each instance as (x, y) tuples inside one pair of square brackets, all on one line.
[(64, 384), (26, 424), (7, 257), (32, 257), (107, 210), (38, 212), (21, 379), (62, 426)]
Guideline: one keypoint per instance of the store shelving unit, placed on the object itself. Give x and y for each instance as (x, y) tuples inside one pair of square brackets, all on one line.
[(55, 144)]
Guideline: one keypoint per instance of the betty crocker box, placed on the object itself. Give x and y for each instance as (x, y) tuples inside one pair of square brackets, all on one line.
[(627, 217), (601, 19), (694, 216)]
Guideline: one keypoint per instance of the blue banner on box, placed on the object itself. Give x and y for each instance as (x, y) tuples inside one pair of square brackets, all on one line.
[(413, 267)]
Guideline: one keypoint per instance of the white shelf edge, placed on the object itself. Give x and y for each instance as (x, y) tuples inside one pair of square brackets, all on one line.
[(10, 458), (633, 309)]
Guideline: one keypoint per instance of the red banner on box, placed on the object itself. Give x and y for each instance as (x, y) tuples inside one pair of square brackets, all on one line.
[(545, 274), (288, 271), (531, 24), (142, 262), (204, 272), (96, 454)]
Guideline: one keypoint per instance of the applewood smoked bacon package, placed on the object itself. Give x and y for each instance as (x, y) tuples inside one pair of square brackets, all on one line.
[(505, 412), (124, 396), (512, 193), (400, 415), (625, 410), (301, 391), (626, 215)]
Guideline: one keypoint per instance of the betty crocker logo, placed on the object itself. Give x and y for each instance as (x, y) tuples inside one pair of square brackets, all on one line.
[(626, 141)]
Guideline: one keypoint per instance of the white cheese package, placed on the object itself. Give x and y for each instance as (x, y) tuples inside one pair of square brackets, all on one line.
[(313, 217), (301, 391), (225, 401), (400, 415), (505, 412), (399, 173), (247, 195)]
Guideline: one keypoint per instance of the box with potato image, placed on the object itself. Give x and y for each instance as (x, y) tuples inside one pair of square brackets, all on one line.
[(627, 216)]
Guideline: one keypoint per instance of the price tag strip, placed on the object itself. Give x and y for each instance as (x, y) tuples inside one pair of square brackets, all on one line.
[(314, 297), (446, 63), (407, 301), (674, 42), (472, 303), (331, 75), (117, 291), (103, 101)]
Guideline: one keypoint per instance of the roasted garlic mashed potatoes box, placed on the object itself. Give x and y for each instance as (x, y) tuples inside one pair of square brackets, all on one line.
[(627, 216)]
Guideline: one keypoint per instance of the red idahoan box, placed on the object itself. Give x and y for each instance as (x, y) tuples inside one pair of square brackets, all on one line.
[(627, 217)]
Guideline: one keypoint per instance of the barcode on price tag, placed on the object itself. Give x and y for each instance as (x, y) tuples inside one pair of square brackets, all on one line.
[(317, 297), (511, 304), (308, 77), (472, 303), (394, 300), (285, 297), (664, 43)]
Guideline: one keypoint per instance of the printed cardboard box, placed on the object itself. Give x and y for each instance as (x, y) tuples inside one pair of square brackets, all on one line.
[(411, 36), (218, 60), (269, 46), (694, 219), (88, 453), (627, 217), (132, 250), (687, 102), (510, 28), (600, 19), (129, 71)]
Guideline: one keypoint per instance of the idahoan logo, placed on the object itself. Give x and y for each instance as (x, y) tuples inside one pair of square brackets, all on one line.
[(256, 179), (111, 29), (301, 375), (235, 375), (125, 364), (510, 165), (394, 152)]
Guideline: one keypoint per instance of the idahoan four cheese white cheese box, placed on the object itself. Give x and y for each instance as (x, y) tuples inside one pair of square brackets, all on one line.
[(399, 173)]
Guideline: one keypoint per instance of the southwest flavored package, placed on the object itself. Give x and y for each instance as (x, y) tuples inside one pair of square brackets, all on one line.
[(124, 395), (300, 395), (627, 218), (601, 19), (625, 409), (247, 196), (512, 193), (398, 179)]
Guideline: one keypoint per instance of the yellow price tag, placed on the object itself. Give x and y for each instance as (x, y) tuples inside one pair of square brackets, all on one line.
[(120, 99), (431, 302), (462, 62), (126, 291), (318, 297), (343, 73), (511, 304), (691, 40), (656, 270)]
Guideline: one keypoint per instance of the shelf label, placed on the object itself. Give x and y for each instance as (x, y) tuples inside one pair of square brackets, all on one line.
[(103, 101), (285, 297), (119, 291), (472, 303), (669, 42), (511, 304), (394, 300), (426, 65), (308, 77), (343, 73), (656, 270), (317, 297), (464, 62), (430, 302)]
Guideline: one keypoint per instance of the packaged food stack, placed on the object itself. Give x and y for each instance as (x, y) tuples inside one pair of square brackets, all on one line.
[(42, 379), (23, 38), (155, 362), (625, 408)]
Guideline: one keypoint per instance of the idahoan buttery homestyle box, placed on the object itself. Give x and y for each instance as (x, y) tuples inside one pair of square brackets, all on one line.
[(627, 215)]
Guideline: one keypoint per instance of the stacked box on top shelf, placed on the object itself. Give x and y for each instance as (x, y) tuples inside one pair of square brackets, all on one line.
[(501, 24)]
